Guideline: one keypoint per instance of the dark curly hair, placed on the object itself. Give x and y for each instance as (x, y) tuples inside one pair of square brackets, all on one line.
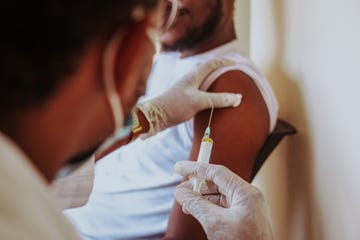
[(42, 40)]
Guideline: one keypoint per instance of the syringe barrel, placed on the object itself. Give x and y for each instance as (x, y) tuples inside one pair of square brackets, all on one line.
[(205, 150), (204, 156)]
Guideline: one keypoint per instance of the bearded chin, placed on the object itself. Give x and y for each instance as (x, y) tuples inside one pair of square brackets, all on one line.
[(195, 36)]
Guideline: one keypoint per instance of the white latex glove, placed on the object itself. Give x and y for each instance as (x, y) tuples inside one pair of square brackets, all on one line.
[(234, 210), (183, 100)]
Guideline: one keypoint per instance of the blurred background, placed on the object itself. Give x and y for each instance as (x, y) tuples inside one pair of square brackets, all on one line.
[(310, 52)]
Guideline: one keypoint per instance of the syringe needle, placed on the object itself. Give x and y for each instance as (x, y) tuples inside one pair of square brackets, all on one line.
[(211, 114)]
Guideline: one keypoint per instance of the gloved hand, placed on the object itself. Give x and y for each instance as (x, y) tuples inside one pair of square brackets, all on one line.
[(235, 210), (183, 100)]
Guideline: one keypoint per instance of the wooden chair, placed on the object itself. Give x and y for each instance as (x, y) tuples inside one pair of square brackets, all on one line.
[(282, 129)]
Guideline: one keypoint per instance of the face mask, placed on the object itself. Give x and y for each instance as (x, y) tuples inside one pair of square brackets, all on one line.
[(79, 160), (75, 163), (122, 127)]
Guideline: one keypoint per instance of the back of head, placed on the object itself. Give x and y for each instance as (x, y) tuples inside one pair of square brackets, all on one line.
[(43, 39)]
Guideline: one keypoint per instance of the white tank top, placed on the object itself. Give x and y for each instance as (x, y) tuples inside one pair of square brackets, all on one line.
[(134, 186)]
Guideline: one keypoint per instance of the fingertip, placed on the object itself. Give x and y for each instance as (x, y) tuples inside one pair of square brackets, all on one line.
[(184, 192), (237, 100), (186, 198), (221, 100), (185, 168), (179, 167)]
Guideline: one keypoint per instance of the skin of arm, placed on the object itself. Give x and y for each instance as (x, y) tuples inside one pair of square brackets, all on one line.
[(238, 135), (145, 128)]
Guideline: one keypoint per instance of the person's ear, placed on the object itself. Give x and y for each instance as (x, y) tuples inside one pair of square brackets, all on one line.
[(132, 63)]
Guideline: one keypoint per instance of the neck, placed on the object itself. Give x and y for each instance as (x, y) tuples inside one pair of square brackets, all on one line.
[(220, 37)]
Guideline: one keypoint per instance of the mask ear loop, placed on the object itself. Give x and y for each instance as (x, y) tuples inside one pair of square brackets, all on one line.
[(110, 88), (109, 80), (138, 13), (174, 8)]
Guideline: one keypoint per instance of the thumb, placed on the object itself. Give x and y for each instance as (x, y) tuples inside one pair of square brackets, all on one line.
[(192, 202), (220, 100)]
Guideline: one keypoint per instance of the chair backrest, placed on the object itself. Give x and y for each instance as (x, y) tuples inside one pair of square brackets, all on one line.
[(282, 129)]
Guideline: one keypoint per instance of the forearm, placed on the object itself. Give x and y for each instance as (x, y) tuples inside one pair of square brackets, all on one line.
[(182, 226), (141, 128)]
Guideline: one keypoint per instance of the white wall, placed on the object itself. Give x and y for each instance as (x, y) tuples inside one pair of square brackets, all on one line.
[(242, 24), (310, 51)]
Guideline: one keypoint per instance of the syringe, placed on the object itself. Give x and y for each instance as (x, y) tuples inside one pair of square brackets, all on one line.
[(204, 153)]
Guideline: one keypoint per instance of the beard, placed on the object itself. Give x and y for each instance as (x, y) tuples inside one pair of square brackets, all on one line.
[(196, 35)]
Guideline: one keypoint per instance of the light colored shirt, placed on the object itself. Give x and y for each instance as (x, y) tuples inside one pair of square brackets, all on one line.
[(134, 186), (74, 190), (27, 207)]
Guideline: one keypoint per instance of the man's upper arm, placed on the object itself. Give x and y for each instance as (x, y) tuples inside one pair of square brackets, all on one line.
[(238, 135)]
